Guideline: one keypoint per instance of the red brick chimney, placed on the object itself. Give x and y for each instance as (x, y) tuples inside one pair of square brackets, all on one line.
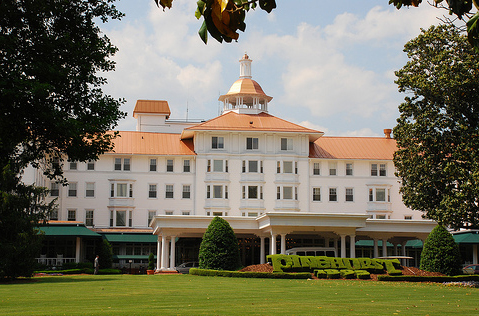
[(387, 132)]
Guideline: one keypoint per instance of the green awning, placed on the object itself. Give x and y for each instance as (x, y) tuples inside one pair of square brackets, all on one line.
[(127, 257), (466, 238), (370, 243), (133, 238), (68, 230)]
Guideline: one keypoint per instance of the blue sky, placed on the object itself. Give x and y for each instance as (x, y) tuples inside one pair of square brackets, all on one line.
[(328, 65)]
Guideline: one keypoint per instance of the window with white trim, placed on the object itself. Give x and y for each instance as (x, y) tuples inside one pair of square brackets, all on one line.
[(286, 144), (153, 164), (286, 193), (408, 217), (217, 191), (151, 215), (252, 192), (379, 195), (54, 189), (72, 189), (317, 194), (349, 195), (333, 166), (316, 169), (89, 217), (186, 191), (122, 164), (53, 215), (251, 143), (169, 165), (73, 165), (169, 193), (152, 191), (90, 189), (378, 169), (219, 165), (349, 169), (186, 213), (333, 195), (217, 142), (72, 215), (121, 190), (90, 165), (186, 165)]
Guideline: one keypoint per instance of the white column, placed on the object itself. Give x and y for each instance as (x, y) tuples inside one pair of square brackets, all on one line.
[(283, 244), (273, 244), (395, 249), (343, 246), (158, 254), (173, 252), (336, 244), (474, 254), (261, 251), (352, 250), (403, 249), (164, 252), (376, 249), (385, 248), (77, 249)]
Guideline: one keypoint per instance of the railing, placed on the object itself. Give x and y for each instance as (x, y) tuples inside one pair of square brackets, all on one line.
[(58, 261)]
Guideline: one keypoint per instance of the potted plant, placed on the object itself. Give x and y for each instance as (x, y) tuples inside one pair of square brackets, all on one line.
[(151, 264)]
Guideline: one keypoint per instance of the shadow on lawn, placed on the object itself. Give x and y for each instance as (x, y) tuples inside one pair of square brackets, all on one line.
[(53, 279)]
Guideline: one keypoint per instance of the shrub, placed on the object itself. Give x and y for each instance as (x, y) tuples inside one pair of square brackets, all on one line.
[(219, 248), (440, 253), (237, 274), (106, 255), (151, 261)]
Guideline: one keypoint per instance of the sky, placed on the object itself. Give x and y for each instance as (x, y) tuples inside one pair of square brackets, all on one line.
[(329, 65)]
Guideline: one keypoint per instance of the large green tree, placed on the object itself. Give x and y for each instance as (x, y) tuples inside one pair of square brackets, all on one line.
[(438, 129), (219, 248), (441, 253), (51, 103)]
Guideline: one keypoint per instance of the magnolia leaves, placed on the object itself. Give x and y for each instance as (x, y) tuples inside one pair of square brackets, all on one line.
[(458, 8), (222, 19)]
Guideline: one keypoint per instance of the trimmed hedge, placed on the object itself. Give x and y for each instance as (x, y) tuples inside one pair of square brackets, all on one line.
[(237, 274), (438, 279), (80, 271)]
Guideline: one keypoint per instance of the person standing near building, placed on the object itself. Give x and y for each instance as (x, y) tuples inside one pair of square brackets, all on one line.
[(96, 264)]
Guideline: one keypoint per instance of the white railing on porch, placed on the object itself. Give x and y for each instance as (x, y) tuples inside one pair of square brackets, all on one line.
[(57, 261)]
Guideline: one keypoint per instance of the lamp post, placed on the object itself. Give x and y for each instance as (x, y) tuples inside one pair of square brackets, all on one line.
[(130, 265)]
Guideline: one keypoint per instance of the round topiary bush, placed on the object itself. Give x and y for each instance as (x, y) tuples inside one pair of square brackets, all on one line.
[(219, 248), (441, 253)]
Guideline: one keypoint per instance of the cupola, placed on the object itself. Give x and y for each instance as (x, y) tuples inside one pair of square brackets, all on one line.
[(245, 95)]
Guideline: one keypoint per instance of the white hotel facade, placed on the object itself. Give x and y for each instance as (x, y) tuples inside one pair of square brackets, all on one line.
[(278, 184)]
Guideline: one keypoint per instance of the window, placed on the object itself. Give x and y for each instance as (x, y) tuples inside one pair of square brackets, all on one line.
[(217, 165), (217, 142), (130, 218), (125, 165), (382, 170), (169, 191), (151, 215), (278, 167), (251, 143), (287, 193), (111, 218), (90, 165), (120, 218), (408, 217), (317, 194), (253, 166), (153, 164), (349, 169), (208, 166), (286, 144), (185, 213), (333, 196), (73, 165), (186, 165), (278, 193), (90, 189), (121, 190), (349, 195), (169, 165), (287, 167), (186, 191), (316, 169), (72, 189), (217, 191), (89, 217), (208, 192), (381, 195), (54, 215), (252, 192), (295, 167), (54, 189), (152, 192), (169, 212), (72, 215), (332, 168)]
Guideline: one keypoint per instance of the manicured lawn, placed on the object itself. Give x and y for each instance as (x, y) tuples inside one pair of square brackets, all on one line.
[(196, 295)]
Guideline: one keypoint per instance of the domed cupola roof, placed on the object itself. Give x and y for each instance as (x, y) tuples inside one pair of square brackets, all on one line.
[(245, 95)]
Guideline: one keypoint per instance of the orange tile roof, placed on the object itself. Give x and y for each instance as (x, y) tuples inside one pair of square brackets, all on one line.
[(232, 121), (143, 143), (152, 107), (380, 148)]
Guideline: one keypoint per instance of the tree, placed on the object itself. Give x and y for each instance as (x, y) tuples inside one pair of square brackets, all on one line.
[(51, 103), (438, 128), (219, 248), (105, 254), (440, 253), (462, 9)]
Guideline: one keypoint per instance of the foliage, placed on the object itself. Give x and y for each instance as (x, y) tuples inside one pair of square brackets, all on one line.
[(219, 248), (151, 261), (437, 279), (438, 129), (21, 210), (248, 275), (52, 106), (106, 255), (440, 253), (462, 9), (223, 18)]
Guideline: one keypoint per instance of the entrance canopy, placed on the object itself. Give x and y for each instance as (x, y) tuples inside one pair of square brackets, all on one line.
[(74, 230)]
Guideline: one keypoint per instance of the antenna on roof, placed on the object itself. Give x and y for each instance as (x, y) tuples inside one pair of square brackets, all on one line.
[(187, 110), (219, 104)]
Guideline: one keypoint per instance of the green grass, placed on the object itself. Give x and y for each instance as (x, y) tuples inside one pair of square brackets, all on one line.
[(196, 295)]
